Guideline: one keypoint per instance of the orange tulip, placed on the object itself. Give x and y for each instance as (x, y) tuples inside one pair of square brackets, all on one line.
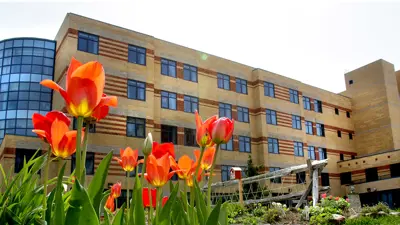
[(116, 190), (189, 180), (54, 129), (110, 203), (159, 150), (158, 170), (184, 166), (208, 157), (101, 111), (221, 130), (128, 159), (203, 136), (83, 89)]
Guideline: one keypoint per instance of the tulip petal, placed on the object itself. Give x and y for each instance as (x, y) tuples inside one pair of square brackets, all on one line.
[(59, 115), (41, 134), (84, 96), (73, 65), (52, 85), (58, 130)]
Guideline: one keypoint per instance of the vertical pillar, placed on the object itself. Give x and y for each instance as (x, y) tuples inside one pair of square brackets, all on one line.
[(241, 192), (315, 191)]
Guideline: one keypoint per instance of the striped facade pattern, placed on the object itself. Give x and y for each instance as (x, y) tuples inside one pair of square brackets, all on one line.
[(113, 49), (114, 169), (116, 86), (384, 172), (358, 175), (282, 93)]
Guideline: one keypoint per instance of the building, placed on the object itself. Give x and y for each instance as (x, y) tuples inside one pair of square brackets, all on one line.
[(280, 121)]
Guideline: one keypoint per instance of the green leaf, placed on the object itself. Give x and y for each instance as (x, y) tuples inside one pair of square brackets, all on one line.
[(50, 206), (119, 217), (213, 218), (59, 203), (80, 211), (139, 208), (95, 189), (103, 201), (223, 214), (200, 201), (106, 220), (166, 210)]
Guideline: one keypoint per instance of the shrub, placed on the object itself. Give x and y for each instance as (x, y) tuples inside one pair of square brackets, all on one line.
[(322, 218), (373, 210), (366, 220), (234, 211), (271, 215), (259, 210)]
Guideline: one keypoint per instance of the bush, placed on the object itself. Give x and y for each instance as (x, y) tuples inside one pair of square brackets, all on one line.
[(366, 220), (271, 215), (374, 210), (234, 211), (322, 218)]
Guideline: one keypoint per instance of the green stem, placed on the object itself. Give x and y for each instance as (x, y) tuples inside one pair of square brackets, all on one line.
[(59, 165), (46, 177), (143, 170), (149, 215), (151, 203), (127, 193), (199, 163), (84, 150), (210, 179), (192, 203), (185, 205), (158, 203), (78, 148)]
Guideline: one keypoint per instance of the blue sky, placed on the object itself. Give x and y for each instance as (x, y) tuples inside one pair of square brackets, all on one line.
[(315, 42)]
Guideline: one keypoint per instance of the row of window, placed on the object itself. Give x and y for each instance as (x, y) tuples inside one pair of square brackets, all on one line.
[(371, 174), (273, 147), (300, 177)]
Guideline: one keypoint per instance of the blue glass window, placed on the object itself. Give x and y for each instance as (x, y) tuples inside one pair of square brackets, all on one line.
[(137, 55), (88, 43)]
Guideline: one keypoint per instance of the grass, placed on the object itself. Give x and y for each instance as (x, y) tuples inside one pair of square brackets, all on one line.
[(384, 220)]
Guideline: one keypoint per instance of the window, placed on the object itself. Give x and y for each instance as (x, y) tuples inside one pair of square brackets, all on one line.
[(276, 179), (317, 106), (223, 81), (296, 122), (311, 152), (348, 114), (122, 198), (353, 156), (336, 111), (325, 179), (168, 100), (243, 114), (190, 137), (225, 172), (168, 67), (137, 55), (269, 89), (88, 43), (169, 134), (225, 110), (189, 73), (350, 136), (301, 177), (92, 126), (191, 104), (339, 133), (89, 165), (345, 178), (350, 82), (371, 174), (320, 130), (294, 96), (306, 103), (136, 90), (298, 148), (241, 86), (395, 170), (341, 156), (135, 127), (273, 146), (228, 146), (244, 144), (322, 153), (309, 128), (271, 117), (21, 155)]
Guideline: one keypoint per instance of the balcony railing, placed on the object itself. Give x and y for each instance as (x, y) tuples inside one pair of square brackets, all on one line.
[(364, 180)]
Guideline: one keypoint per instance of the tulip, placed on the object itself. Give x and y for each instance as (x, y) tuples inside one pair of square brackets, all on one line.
[(159, 150), (83, 88), (184, 166), (221, 130), (158, 170), (208, 157), (203, 136), (146, 200), (110, 204), (101, 112), (148, 145), (128, 159), (54, 129), (337, 199), (323, 195), (164, 200), (347, 200), (116, 190), (189, 180)]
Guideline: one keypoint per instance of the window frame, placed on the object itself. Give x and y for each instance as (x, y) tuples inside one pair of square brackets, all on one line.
[(271, 114), (190, 137), (317, 106), (345, 178), (88, 156), (221, 79), (88, 39), (273, 145), (169, 95), (322, 153), (325, 179), (245, 114), (277, 180), (311, 152), (138, 89), (189, 70), (190, 100), (137, 53), (296, 122), (336, 111), (301, 178), (320, 129), (167, 63), (339, 133), (228, 146), (137, 126), (306, 103), (241, 86), (298, 148), (246, 142), (308, 125), (371, 174), (269, 89), (294, 96), (173, 133), (350, 136), (225, 107), (348, 114)]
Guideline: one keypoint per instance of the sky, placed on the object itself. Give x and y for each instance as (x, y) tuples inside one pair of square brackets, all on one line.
[(315, 42)]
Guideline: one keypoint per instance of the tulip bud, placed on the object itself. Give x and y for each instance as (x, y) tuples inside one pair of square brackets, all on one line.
[(148, 144)]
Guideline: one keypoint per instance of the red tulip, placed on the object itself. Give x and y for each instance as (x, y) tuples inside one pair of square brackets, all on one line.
[(83, 89), (101, 112), (323, 195), (53, 128), (203, 136), (337, 199), (110, 203), (116, 190), (159, 150), (128, 159), (145, 196), (208, 157), (158, 170), (221, 130), (164, 200)]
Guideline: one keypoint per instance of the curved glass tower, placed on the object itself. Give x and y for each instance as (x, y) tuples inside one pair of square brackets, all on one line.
[(24, 62)]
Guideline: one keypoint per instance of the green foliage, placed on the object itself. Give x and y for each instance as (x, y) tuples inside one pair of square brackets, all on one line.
[(374, 210), (322, 213), (234, 210), (366, 220), (271, 215), (322, 218)]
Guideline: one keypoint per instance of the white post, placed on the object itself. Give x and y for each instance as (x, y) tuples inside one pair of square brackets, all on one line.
[(315, 191)]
